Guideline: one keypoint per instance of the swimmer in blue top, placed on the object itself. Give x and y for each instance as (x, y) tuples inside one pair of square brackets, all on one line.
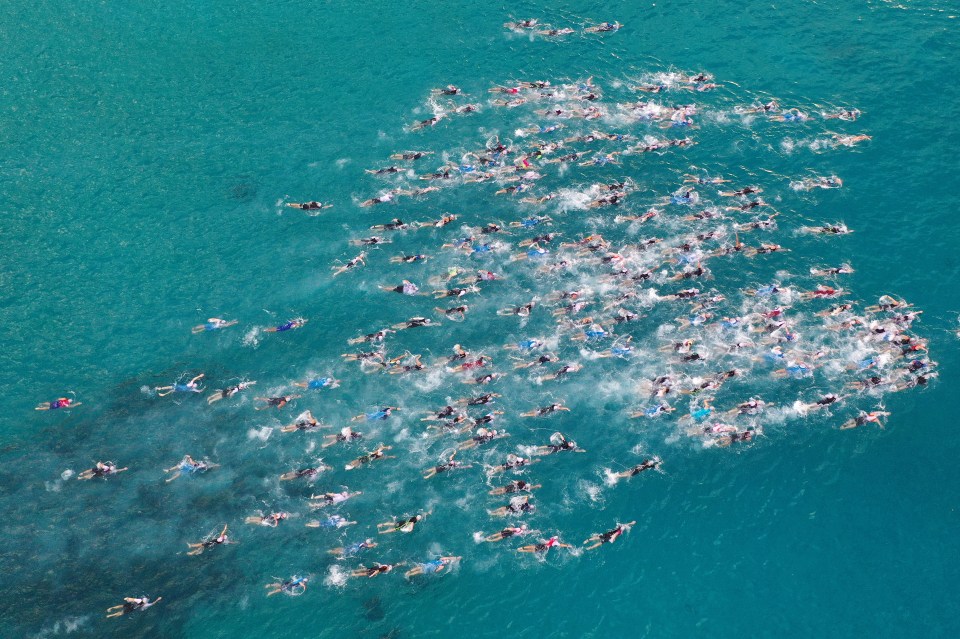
[(318, 383), (287, 326), (353, 549), (190, 387), (60, 402), (381, 414), (791, 115), (188, 466), (701, 413), (295, 586), (333, 521), (431, 567), (212, 324)]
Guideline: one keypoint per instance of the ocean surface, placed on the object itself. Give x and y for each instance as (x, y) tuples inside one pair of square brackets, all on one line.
[(148, 154)]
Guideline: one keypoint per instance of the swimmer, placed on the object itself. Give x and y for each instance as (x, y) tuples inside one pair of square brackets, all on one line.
[(270, 521), (544, 546), (483, 436), (653, 463), (621, 348), (431, 567), (319, 382), (770, 107), (210, 542), (764, 249), (790, 115), (551, 33), (289, 325), (593, 332), (309, 474), (545, 410), (546, 238), (331, 499), (444, 413), (190, 387), (519, 311), (294, 586), (448, 465), (410, 155), (401, 525), (821, 292), (517, 506), (850, 140), (510, 531), (696, 179), (461, 356), (808, 184), (561, 372), (598, 539), (412, 364), (374, 240), (886, 303), (130, 604), (213, 324), (374, 570), (558, 443), (456, 292), (827, 229), (653, 411), (377, 453), (188, 466), (352, 263), (450, 89), (481, 400), (603, 27), (381, 414), (752, 406), (872, 417), (443, 221), (60, 402), (540, 361), (728, 438), (380, 199), (406, 288), (423, 124), (353, 549), (747, 190), (516, 486), (409, 259), (346, 435), (485, 379), (844, 114), (279, 402), (101, 469), (748, 206), (368, 360), (414, 322), (375, 337), (333, 521), (823, 402), (309, 206), (602, 160), (513, 462), (384, 171)]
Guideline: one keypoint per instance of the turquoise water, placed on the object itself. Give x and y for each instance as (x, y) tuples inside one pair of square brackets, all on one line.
[(147, 155)]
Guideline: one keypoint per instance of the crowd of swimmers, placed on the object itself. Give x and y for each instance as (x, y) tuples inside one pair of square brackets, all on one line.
[(639, 277)]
